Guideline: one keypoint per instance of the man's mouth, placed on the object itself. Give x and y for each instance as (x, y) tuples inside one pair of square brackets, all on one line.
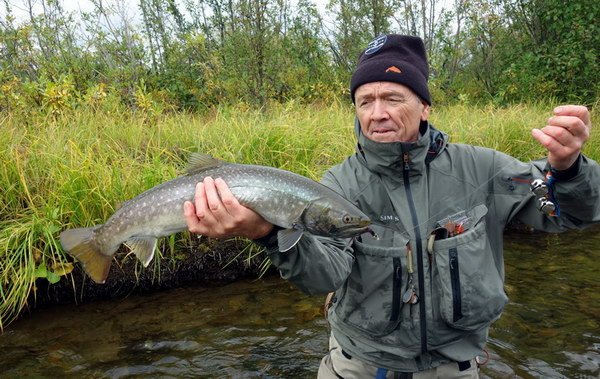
[(382, 131)]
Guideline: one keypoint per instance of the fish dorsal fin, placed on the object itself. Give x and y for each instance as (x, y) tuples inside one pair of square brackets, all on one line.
[(201, 162), (288, 238), (143, 248)]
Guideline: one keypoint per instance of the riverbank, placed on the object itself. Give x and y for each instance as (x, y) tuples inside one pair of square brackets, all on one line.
[(201, 262), (73, 169)]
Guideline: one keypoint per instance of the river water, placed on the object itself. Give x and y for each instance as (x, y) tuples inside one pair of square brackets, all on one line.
[(267, 329)]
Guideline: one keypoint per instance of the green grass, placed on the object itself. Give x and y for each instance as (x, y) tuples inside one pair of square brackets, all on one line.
[(73, 169), (507, 129)]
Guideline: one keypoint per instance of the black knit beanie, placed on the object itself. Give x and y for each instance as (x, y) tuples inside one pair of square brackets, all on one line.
[(394, 58)]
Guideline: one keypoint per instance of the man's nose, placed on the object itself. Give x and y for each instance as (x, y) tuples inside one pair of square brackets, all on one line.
[(379, 111)]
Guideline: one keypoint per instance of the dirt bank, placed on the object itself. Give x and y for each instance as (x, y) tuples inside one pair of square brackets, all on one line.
[(201, 262)]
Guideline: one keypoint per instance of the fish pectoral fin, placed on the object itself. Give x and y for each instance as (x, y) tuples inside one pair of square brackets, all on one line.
[(143, 248), (288, 238)]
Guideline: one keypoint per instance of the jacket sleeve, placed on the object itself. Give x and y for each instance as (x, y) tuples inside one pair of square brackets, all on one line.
[(316, 265), (576, 192)]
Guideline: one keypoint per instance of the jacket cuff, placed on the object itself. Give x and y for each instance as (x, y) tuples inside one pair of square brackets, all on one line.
[(567, 174)]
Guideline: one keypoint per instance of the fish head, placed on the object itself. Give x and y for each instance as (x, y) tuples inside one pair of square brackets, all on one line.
[(335, 217)]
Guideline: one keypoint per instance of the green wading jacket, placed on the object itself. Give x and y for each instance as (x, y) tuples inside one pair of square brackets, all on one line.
[(406, 188)]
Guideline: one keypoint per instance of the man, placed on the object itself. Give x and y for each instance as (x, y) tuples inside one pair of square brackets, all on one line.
[(418, 301)]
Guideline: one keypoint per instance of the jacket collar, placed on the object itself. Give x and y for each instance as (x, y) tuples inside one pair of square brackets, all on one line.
[(389, 158)]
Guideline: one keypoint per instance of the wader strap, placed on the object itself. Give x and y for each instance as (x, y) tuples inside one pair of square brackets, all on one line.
[(328, 303)]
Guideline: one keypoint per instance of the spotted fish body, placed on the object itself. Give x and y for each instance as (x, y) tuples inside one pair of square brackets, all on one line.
[(291, 201)]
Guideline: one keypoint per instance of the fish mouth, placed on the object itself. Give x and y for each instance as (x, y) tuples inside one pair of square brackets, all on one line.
[(357, 229), (367, 230), (371, 232)]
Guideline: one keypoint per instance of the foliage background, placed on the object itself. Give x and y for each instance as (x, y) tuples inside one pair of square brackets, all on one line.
[(195, 54)]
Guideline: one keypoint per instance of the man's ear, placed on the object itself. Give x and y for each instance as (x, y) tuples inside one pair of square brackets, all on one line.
[(425, 111), (357, 129)]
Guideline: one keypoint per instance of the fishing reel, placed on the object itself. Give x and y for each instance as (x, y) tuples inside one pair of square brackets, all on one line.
[(544, 202), (539, 188)]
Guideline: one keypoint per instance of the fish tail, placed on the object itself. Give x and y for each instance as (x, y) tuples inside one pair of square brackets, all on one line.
[(80, 243)]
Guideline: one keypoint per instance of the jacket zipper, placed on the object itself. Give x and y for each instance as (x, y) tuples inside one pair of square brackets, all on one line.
[(397, 290), (420, 269), (455, 281)]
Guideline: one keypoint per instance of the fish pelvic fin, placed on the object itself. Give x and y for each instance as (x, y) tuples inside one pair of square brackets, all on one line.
[(80, 243), (202, 162), (288, 238), (143, 248)]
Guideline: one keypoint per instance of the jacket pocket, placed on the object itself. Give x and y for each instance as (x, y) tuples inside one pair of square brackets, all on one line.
[(469, 286), (371, 299)]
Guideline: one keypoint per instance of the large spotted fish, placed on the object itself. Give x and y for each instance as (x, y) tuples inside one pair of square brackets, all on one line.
[(291, 201)]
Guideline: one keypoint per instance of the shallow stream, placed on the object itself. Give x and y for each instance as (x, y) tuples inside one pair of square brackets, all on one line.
[(268, 329)]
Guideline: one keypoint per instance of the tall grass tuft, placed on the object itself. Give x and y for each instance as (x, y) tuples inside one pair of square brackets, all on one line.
[(73, 169)]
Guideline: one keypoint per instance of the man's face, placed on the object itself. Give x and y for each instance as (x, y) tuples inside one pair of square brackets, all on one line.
[(389, 112)]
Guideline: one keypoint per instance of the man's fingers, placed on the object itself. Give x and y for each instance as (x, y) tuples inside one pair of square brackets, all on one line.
[(553, 140), (567, 122), (564, 136), (204, 219), (213, 199), (559, 140), (544, 139), (200, 201), (216, 213), (189, 212), (573, 124), (562, 150), (578, 111), (191, 219), (227, 198)]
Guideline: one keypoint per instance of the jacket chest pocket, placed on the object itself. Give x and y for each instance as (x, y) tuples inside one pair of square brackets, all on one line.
[(469, 287), (371, 299)]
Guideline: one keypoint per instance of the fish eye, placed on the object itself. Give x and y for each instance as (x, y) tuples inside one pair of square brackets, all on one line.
[(346, 219)]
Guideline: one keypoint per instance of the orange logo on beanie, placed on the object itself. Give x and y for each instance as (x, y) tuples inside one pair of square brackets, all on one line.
[(393, 69)]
